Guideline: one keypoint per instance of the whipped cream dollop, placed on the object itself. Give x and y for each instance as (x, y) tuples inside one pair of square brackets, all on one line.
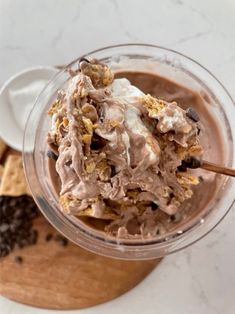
[(122, 88)]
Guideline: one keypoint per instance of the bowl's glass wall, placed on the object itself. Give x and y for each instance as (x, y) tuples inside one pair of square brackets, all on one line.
[(130, 57)]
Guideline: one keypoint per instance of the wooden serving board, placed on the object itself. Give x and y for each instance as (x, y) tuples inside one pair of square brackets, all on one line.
[(56, 277)]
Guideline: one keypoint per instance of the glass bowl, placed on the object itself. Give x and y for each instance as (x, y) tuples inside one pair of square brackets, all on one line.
[(133, 57)]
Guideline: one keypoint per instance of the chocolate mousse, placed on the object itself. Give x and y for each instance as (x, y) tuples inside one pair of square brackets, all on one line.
[(121, 148)]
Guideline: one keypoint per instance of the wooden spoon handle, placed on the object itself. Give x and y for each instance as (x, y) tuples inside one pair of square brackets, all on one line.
[(216, 168)]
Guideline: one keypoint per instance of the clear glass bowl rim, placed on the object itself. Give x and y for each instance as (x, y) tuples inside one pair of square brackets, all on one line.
[(139, 249)]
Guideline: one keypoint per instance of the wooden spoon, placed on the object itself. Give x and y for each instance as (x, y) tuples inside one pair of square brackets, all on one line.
[(194, 163), (217, 168)]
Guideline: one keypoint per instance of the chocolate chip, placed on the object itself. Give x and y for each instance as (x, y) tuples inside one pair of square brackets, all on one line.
[(154, 206), (68, 163), (3, 251), (182, 167), (192, 114), (84, 59), (176, 217), (16, 215), (97, 142), (1, 200), (13, 202), (201, 178), (52, 155), (64, 242), (33, 238), (17, 223), (4, 227), (61, 240), (19, 213), (11, 243), (7, 211), (198, 131), (21, 243), (19, 259), (113, 171), (192, 162), (49, 236)]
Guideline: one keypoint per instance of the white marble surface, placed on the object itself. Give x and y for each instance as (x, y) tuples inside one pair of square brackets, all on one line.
[(200, 279)]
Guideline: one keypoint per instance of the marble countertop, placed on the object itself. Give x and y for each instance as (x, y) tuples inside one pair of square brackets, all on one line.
[(200, 279)]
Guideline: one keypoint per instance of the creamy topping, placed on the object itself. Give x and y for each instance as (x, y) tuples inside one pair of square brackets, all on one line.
[(120, 152), (171, 118), (123, 88), (136, 126)]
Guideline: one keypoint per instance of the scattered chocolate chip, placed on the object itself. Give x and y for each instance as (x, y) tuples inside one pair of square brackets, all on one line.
[(18, 259), (17, 223), (33, 237), (12, 202), (16, 215), (49, 236), (64, 242), (22, 242), (192, 162), (192, 114), (4, 251), (52, 155), (198, 131), (61, 240), (1, 199), (4, 227)]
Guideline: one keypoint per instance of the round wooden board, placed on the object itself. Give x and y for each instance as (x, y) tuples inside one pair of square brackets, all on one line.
[(56, 277)]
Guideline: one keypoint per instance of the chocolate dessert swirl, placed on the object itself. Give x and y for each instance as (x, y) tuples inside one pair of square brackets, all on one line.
[(120, 157)]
